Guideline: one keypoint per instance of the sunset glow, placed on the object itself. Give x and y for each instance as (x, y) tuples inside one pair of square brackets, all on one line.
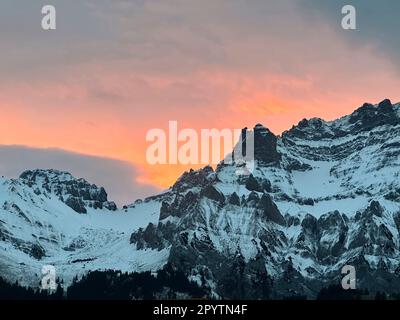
[(91, 96)]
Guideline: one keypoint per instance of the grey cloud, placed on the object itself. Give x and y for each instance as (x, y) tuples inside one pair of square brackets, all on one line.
[(377, 23), (117, 177), (31, 52), (187, 43), (176, 37)]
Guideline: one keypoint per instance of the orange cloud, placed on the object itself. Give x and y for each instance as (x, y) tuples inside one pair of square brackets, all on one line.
[(237, 69), (110, 116)]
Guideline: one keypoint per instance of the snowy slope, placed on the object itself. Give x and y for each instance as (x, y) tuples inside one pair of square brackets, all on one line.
[(38, 229)]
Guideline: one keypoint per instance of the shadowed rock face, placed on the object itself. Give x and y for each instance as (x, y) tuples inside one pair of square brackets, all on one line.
[(212, 193), (234, 199), (198, 178), (252, 184), (270, 210), (265, 145), (369, 116), (76, 204)]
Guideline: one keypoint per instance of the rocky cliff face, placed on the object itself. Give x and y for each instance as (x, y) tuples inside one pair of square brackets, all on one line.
[(322, 195), (78, 194)]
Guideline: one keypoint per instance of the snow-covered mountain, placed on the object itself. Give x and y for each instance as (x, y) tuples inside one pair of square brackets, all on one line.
[(48, 217), (322, 195)]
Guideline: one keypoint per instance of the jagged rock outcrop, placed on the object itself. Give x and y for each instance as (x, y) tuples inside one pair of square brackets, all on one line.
[(265, 145), (78, 194)]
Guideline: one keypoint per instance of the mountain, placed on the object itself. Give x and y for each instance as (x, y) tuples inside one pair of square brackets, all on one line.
[(47, 217), (322, 195)]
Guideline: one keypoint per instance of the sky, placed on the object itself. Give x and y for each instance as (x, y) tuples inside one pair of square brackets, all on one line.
[(89, 91)]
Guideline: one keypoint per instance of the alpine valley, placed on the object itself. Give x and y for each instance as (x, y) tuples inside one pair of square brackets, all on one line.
[(322, 195)]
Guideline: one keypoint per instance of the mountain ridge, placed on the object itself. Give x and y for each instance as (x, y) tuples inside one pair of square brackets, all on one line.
[(323, 194)]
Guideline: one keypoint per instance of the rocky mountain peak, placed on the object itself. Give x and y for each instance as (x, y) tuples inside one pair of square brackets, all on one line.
[(311, 129), (195, 178), (365, 118), (41, 176), (76, 193), (370, 116), (265, 144)]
